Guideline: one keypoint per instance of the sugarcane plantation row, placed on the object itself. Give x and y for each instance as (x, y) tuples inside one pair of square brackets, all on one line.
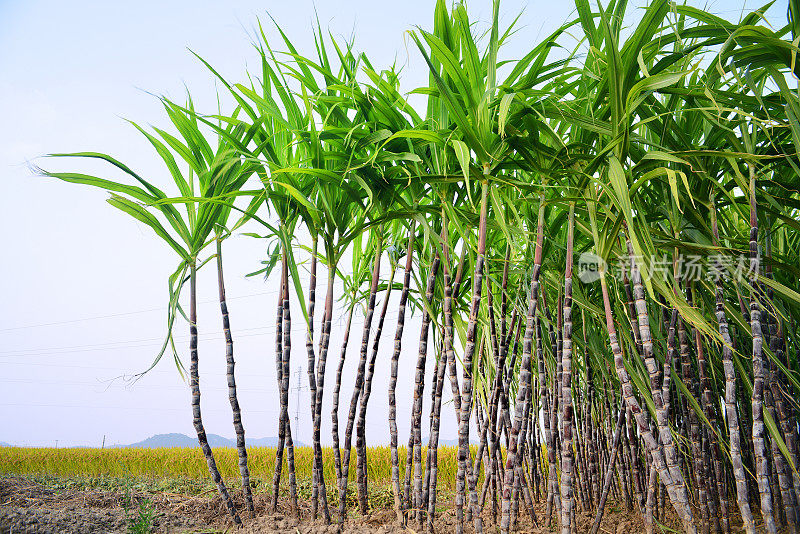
[(601, 241)]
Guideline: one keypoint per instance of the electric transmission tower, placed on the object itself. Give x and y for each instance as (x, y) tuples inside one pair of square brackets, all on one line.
[(297, 390)]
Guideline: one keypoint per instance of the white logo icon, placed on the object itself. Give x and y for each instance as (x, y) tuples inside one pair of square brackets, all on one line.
[(590, 266)]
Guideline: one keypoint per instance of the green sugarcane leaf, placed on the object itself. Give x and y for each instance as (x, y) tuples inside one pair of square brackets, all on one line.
[(138, 212), (502, 114), (424, 135), (781, 289), (113, 187), (642, 88), (464, 159), (673, 186)]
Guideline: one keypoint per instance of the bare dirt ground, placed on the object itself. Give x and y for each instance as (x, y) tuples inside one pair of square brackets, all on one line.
[(27, 506)]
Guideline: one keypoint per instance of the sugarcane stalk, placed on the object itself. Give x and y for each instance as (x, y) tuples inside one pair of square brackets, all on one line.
[(567, 500), (287, 352), (414, 452), (759, 443), (524, 376), (361, 423), (337, 462), (312, 378), (398, 340), (359, 383), (615, 442), (675, 489), (238, 427), (194, 384), (321, 364)]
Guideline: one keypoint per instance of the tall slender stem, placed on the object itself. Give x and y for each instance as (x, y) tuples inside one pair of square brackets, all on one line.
[(194, 383), (238, 427)]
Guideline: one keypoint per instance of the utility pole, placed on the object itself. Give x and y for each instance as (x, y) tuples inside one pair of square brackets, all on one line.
[(104, 442), (297, 389), (297, 408)]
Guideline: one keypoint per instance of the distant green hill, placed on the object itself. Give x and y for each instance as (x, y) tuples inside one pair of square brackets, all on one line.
[(182, 440)]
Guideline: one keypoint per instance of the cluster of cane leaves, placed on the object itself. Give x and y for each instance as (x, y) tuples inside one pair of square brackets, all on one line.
[(206, 178), (645, 127)]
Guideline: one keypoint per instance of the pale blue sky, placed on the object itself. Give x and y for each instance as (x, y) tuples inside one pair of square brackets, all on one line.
[(82, 285)]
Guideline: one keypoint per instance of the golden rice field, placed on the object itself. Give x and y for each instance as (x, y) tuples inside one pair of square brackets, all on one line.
[(188, 463)]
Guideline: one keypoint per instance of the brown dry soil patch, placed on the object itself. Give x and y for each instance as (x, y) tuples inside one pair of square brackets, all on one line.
[(26, 506)]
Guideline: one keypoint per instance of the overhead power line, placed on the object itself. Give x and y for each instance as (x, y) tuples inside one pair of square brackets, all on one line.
[(122, 314), (149, 342), (135, 408)]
